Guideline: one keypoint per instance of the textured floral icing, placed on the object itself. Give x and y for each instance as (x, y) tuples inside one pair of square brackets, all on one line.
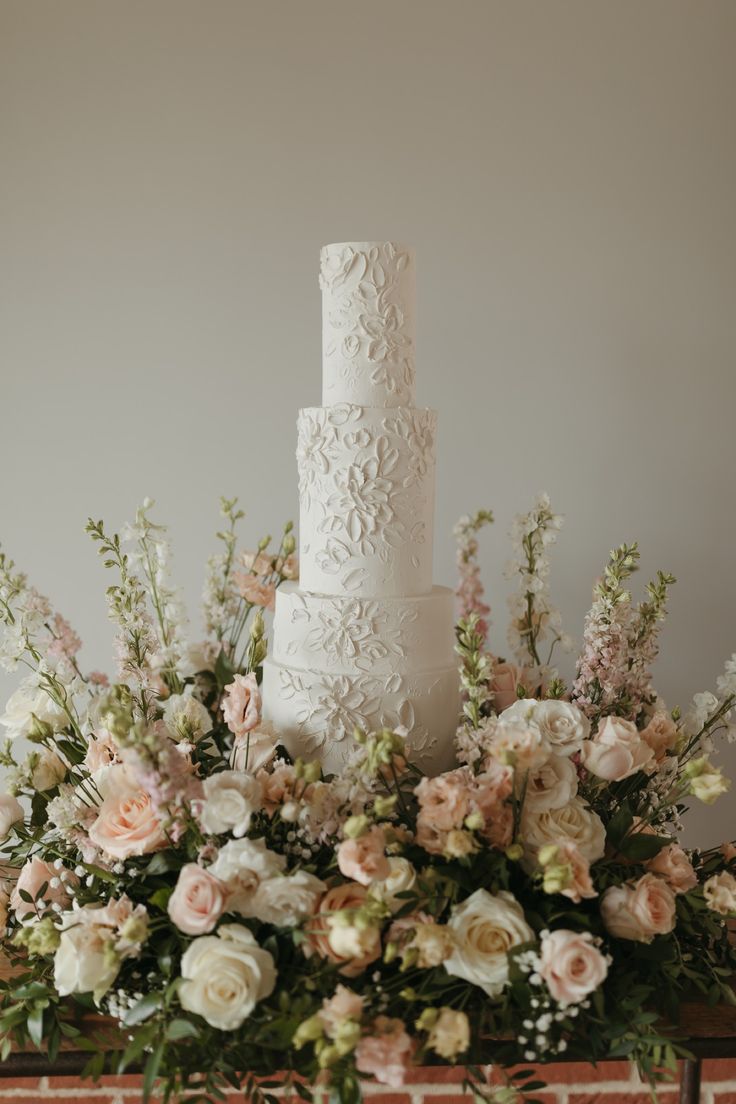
[(365, 640), (381, 636), (366, 494), (315, 712), (367, 324)]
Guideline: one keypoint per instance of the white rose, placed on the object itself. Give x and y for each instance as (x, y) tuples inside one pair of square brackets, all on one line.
[(47, 770), (485, 927), (575, 822), (552, 785), (616, 751), (255, 749), (11, 812), (186, 718), (720, 893), (563, 725), (83, 962), (30, 701), (242, 865), (402, 878), (285, 901), (229, 801), (225, 975)]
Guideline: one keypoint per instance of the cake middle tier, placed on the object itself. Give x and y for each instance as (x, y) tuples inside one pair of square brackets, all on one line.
[(366, 499), (377, 635)]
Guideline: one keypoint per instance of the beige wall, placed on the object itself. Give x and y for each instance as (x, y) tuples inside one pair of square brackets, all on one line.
[(566, 170)]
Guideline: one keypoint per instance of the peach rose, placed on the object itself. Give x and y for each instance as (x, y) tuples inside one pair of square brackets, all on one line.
[(674, 866), (641, 911), (616, 751), (127, 824), (660, 734), (571, 965), (198, 901), (364, 859), (728, 850), (506, 678), (241, 706), (350, 895), (386, 1054), (32, 877)]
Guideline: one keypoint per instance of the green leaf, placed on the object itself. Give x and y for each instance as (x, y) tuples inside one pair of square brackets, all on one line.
[(151, 1071), (143, 1009), (181, 1029), (160, 898), (224, 670), (619, 824), (641, 846), (34, 1023)]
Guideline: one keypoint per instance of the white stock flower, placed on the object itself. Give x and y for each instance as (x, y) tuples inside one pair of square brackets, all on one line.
[(242, 865), (285, 901), (575, 822), (186, 718), (229, 801), (28, 702), (225, 975), (485, 927)]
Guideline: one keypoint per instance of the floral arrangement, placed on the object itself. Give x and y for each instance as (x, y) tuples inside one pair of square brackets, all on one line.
[(239, 915)]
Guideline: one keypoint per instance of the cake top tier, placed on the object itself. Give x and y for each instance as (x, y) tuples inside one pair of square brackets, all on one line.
[(367, 323)]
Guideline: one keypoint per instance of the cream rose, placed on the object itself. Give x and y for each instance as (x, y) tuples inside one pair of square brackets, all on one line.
[(225, 975), (401, 878), (675, 867), (485, 927), (641, 911), (229, 801), (552, 785), (572, 965), (285, 901), (720, 893), (198, 901), (616, 751), (660, 734), (47, 770), (127, 823), (28, 704), (564, 726), (83, 962), (242, 865), (575, 822), (11, 812), (33, 877)]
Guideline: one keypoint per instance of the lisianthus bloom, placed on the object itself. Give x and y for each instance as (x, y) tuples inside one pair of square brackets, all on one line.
[(352, 947), (720, 893), (364, 859), (386, 1053), (241, 705)]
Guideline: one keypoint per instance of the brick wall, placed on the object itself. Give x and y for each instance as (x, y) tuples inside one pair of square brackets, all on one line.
[(567, 1084)]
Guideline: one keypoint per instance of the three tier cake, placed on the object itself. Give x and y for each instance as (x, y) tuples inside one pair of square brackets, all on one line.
[(365, 639)]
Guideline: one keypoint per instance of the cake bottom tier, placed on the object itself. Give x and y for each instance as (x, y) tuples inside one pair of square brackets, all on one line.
[(315, 712)]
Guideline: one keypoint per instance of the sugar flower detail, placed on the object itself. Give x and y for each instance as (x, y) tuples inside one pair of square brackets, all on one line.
[(571, 965), (485, 927), (225, 976)]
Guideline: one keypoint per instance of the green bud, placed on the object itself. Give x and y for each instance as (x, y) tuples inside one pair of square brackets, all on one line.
[(308, 1032), (356, 826), (384, 806), (298, 768), (289, 526), (312, 771), (39, 731), (427, 1020), (264, 543), (696, 767), (289, 545), (547, 854), (390, 952), (328, 1055), (41, 938), (514, 852), (258, 627), (474, 821)]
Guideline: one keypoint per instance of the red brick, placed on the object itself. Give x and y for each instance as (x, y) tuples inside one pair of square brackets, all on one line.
[(620, 1096), (568, 1073), (117, 1081), (724, 1098), (30, 1084), (436, 1075), (45, 1096), (387, 1098), (719, 1069), (457, 1097)]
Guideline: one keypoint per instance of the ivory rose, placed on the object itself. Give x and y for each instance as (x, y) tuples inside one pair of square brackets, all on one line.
[(31, 703), (321, 937), (401, 878), (387, 1053), (363, 859), (572, 965), (225, 975), (11, 812), (127, 823), (83, 962), (229, 800), (720, 893), (675, 867), (47, 769), (639, 911), (285, 901), (575, 822), (198, 901), (563, 725), (616, 751), (550, 786), (242, 865), (485, 927), (33, 876), (241, 706), (660, 734)]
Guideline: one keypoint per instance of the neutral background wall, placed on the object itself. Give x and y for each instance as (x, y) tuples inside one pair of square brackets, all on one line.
[(566, 170)]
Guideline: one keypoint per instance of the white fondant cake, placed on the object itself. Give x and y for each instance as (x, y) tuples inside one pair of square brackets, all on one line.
[(365, 640)]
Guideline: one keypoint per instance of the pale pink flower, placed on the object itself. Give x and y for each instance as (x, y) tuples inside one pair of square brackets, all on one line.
[(241, 706), (254, 591), (98, 678), (343, 1005), (65, 643), (728, 850), (198, 901), (127, 825), (507, 677), (571, 965), (101, 751), (639, 911), (387, 1054), (278, 786), (349, 895), (660, 734), (616, 751), (364, 859), (444, 801), (34, 875), (675, 867), (579, 884)]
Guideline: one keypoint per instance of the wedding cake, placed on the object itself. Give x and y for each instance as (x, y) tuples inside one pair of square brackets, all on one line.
[(365, 639)]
